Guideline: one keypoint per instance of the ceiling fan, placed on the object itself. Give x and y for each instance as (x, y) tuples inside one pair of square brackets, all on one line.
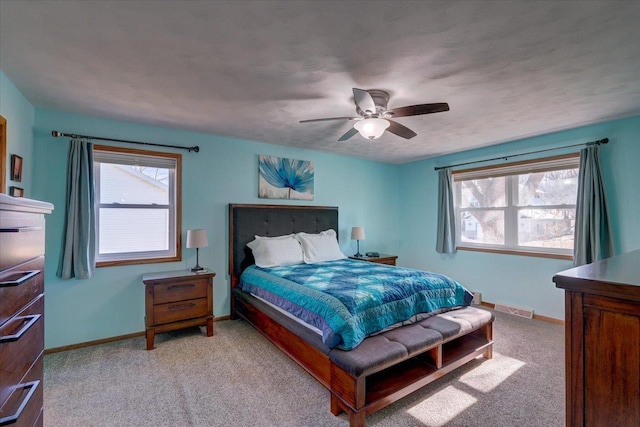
[(374, 117)]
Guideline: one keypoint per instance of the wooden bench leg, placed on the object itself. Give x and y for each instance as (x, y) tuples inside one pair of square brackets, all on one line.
[(336, 409), (356, 419), (488, 333)]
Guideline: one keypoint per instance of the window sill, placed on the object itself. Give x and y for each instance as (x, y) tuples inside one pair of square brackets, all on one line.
[(513, 252), (137, 261)]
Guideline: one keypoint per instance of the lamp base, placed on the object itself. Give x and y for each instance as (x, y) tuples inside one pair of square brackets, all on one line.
[(358, 254), (197, 267)]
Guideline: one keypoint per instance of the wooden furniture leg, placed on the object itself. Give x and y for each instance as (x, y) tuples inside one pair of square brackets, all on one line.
[(150, 338), (210, 327)]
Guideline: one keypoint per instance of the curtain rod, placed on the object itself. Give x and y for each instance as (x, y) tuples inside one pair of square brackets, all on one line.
[(73, 135), (598, 142)]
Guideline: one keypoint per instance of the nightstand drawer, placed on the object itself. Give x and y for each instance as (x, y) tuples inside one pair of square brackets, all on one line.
[(180, 290), (181, 310)]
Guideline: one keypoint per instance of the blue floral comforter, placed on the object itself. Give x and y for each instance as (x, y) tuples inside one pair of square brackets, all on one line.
[(349, 300)]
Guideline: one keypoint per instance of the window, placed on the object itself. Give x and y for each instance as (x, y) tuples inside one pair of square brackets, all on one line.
[(525, 207), (137, 206)]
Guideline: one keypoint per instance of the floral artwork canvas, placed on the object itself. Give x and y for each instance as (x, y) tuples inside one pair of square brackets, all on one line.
[(282, 178)]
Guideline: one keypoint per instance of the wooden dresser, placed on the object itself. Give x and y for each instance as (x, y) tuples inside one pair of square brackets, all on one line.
[(21, 310), (602, 336)]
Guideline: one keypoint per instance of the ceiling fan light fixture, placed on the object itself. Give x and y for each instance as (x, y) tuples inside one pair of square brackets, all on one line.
[(372, 128)]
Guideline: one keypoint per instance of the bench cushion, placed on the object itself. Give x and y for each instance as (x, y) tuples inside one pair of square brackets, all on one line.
[(454, 323), (386, 349)]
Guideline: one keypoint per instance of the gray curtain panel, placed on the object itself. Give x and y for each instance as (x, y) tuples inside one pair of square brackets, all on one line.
[(77, 258), (446, 240), (592, 236)]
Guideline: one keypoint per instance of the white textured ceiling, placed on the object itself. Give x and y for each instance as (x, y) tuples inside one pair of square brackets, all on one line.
[(252, 70)]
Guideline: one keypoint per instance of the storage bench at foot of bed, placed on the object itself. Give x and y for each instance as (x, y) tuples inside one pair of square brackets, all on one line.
[(364, 395), (383, 368)]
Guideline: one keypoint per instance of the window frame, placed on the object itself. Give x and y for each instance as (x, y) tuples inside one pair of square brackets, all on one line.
[(174, 253), (511, 208)]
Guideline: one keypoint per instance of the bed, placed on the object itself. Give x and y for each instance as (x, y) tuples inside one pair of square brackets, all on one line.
[(382, 368)]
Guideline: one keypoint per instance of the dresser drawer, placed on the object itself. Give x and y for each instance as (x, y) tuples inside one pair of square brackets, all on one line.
[(19, 286), (21, 343), (180, 290), (29, 395), (182, 310), (21, 237)]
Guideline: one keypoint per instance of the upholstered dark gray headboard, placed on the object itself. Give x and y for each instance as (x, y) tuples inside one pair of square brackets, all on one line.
[(247, 221)]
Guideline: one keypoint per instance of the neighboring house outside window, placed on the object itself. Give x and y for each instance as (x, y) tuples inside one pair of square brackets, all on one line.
[(138, 208), (522, 208)]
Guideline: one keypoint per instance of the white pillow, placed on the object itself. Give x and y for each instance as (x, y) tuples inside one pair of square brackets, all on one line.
[(320, 247), (276, 251)]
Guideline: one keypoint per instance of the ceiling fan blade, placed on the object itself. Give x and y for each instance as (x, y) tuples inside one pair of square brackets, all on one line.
[(349, 134), (364, 101), (329, 118), (400, 130), (415, 110)]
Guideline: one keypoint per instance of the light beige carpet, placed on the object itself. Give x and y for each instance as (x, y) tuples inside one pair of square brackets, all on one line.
[(238, 378)]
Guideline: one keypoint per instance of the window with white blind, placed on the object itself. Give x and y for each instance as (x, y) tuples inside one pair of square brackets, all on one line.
[(524, 207), (137, 206)]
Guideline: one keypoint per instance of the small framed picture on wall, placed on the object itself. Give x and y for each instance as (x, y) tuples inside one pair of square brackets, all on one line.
[(16, 191), (16, 168)]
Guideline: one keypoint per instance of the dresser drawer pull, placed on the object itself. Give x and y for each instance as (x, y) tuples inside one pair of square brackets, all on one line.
[(181, 306), (33, 385), (19, 229), (15, 337), (24, 276), (188, 285)]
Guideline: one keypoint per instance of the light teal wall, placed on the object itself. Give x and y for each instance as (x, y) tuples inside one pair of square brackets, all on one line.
[(395, 204), (519, 280), (19, 114), (224, 171)]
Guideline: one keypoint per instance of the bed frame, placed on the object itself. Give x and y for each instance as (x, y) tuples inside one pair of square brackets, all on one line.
[(358, 395)]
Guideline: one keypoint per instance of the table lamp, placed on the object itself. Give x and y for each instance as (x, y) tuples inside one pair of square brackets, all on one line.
[(357, 233), (197, 239)]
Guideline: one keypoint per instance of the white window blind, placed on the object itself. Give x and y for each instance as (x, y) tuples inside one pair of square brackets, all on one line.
[(136, 205)]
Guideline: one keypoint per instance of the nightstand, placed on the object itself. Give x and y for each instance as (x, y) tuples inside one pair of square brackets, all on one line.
[(177, 300), (382, 259)]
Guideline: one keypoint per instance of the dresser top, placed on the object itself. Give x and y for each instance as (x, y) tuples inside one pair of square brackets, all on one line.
[(616, 275), (10, 203)]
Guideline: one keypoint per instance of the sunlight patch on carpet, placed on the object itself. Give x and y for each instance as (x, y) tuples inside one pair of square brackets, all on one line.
[(488, 376), (442, 407)]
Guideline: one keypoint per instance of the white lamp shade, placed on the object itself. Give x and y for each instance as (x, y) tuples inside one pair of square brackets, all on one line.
[(372, 128), (357, 233), (197, 238)]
